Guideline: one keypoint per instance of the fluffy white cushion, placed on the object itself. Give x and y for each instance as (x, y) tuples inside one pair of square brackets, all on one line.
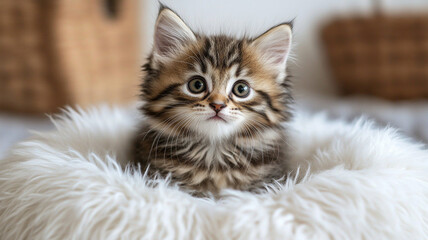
[(351, 181)]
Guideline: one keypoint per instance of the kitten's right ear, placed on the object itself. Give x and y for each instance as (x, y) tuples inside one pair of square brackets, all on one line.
[(171, 33), (274, 45)]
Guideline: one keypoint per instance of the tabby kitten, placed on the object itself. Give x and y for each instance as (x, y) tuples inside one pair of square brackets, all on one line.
[(214, 107)]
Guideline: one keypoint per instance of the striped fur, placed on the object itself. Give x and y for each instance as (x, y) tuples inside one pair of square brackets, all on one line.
[(244, 147)]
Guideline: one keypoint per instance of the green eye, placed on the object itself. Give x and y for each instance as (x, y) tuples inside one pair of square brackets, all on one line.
[(196, 84), (241, 89)]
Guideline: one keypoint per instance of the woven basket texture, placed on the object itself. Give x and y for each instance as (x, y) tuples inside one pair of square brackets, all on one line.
[(380, 55), (67, 52)]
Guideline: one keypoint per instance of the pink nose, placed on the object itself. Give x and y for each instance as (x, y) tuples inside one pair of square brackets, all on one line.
[(217, 107)]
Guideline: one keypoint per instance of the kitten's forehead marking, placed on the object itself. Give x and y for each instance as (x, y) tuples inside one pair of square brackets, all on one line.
[(223, 80), (221, 52), (221, 59), (232, 78)]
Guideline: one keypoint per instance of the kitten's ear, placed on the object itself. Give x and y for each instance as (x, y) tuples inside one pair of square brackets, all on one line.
[(274, 45), (171, 33)]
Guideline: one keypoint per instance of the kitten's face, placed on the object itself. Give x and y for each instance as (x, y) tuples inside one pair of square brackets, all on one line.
[(215, 86)]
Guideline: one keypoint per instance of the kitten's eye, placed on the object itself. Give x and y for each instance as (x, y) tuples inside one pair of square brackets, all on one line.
[(196, 84), (241, 89)]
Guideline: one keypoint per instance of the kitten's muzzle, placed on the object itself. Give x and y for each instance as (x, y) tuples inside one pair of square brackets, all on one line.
[(217, 107)]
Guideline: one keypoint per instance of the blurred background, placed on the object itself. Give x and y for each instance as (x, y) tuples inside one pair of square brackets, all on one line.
[(349, 58)]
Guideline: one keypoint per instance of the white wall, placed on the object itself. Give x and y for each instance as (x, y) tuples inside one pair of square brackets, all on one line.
[(252, 17)]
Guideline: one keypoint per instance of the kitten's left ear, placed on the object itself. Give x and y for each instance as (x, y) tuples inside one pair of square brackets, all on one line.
[(274, 45), (171, 34)]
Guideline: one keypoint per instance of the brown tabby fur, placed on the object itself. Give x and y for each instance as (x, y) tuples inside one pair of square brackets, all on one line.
[(168, 145)]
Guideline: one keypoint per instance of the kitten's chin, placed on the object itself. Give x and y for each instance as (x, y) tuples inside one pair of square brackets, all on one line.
[(217, 118), (216, 128)]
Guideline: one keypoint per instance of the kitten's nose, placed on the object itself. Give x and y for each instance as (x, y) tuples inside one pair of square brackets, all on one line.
[(217, 107)]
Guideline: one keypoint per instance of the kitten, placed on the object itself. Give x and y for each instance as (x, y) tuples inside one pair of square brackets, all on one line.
[(214, 107)]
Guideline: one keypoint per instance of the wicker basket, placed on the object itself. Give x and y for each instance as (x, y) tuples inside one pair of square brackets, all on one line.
[(383, 56), (66, 52)]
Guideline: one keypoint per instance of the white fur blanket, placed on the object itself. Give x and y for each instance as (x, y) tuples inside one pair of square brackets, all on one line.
[(355, 181)]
